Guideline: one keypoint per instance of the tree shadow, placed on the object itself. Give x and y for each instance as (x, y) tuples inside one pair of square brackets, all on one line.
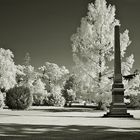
[(3, 115), (69, 132), (66, 109)]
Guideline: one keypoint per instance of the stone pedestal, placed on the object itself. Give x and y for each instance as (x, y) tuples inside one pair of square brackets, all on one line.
[(118, 107)]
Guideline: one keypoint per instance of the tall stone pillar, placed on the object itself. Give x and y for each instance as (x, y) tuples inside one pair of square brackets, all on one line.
[(118, 107)]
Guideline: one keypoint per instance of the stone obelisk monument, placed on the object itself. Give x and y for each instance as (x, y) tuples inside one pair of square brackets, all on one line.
[(118, 107)]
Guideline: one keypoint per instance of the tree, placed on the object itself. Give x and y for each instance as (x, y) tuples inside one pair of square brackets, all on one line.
[(68, 90), (39, 92), (7, 73), (54, 78), (19, 97), (53, 74), (26, 74), (1, 100), (132, 89), (55, 97), (93, 50), (39, 86), (27, 59), (7, 69)]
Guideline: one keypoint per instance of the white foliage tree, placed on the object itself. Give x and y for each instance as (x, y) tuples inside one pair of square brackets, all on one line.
[(39, 87), (54, 77), (55, 97), (132, 86), (27, 59), (39, 92), (7, 72), (26, 73), (53, 73), (30, 75), (1, 100), (7, 69), (93, 49)]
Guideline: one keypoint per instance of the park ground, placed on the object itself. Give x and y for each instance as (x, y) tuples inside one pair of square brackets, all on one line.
[(49, 123)]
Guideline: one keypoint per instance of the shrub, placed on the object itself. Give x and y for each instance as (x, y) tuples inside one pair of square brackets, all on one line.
[(39, 99), (39, 92), (103, 100), (67, 91), (19, 98), (69, 96), (55, 98)]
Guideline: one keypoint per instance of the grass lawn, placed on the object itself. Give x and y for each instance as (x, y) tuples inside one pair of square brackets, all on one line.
[(50, 123)]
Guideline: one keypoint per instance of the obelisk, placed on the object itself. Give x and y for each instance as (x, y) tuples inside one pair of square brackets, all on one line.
[(118, 107)]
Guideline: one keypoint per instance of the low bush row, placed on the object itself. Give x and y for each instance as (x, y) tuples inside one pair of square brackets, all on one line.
[(21, 98)]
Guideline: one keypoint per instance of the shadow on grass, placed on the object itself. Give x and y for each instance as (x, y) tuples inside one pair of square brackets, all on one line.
[(65, 109), (70, 132), (5, 115)]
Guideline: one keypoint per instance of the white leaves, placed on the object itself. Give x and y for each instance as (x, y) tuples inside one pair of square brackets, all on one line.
[(20, 69), (7, 69), (127, 66), (39, 87), (56, 96), (53, 72), (1, 100), (93, 48), (29, 75), (93, 43), (56, 90), (71, 93), (26, 75), (132, 86), (124, 42), (95, 33)]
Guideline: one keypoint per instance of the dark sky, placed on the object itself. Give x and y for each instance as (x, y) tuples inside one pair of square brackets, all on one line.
[(44, 27)]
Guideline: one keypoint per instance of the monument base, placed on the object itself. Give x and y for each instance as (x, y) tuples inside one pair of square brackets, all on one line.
[(118, 110), (127, 115)]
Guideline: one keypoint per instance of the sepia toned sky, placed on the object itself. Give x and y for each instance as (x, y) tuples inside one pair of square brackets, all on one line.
[(44, 27)]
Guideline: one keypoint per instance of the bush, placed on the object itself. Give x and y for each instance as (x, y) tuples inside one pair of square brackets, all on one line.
[(68, 92), (39, 92), (134, 101), (19, 98), (1, 100), (55, 98), (39, 98), (69, 95), (103, 100)]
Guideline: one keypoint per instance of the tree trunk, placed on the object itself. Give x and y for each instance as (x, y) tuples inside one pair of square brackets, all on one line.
[(100, 65), (100, 79), (100, 105)]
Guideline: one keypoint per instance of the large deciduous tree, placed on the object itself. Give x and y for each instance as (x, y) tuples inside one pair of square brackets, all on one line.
[(93, 51), (54, 78), (8, 72), (7, 69), (53, 74)]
